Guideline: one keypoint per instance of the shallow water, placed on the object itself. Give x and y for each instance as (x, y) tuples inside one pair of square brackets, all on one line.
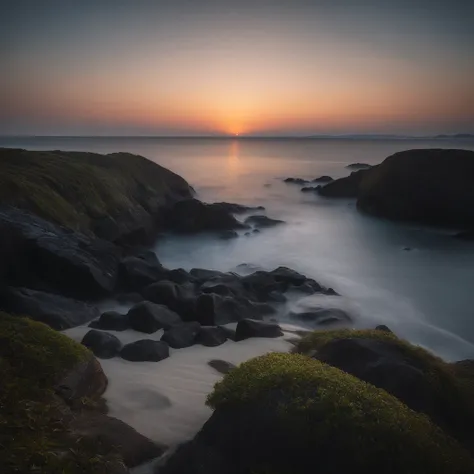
[(424, 294)]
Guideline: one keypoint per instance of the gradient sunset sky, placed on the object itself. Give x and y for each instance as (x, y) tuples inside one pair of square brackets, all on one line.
[(261, 67)]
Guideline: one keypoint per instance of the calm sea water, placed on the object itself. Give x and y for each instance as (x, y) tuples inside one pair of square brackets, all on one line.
[(425, 294)]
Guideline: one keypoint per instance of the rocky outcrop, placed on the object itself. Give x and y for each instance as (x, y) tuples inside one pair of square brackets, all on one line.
[(56, 311), (261, 221), (347, 187), (358, 166), (429, 186)]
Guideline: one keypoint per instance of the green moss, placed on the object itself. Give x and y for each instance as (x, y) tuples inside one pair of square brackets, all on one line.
[(33, 421), (77, 189), (320, 403)]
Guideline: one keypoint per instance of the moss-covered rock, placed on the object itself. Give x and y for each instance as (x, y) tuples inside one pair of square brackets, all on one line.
[(421, 380), (287, 413), (112, 196), (34, 419)]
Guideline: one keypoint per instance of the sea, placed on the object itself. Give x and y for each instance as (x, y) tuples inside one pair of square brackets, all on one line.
[(419, 281)]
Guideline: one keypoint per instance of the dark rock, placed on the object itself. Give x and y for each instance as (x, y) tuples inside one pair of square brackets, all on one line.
[(228, 234), (347, 187), (309, 189), (296, 181), (256, 231), (262, 221), (115, 435), (467, 235), (182, 335), (47, 257), (179, 275), (382, 327), (129, 297), (56, 311), (191, 216), (230, 333), (149, 317), (102, 344), (358, 166), (247, 328), (221, 366), (138, 271), (234, 208), (112, 321), (286, 275), (323, 316), (145, 350), (201, 274), (322, 179), (330, 292), (276, 296), (177, 297), (427, 186), (210, 336)]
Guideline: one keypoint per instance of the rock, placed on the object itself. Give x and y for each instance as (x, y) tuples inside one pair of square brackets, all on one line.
[(210, 336), (309, 189), (323, 316), (149, 317), (191, 216), (296, 181), (221, 366), (230, 333), (56, 311), (201, 274), (138, 271), (286, 275), (132, 447), (145, 350), (234, 208), (48, 257), (347, 187), (322, 179), (467, 235), (228, 234), (382, 327), (111, 321), (85, 380), (182, 335), (358, 166), (247, 328), (102, 344), (179, 275), (330, 292), (427, 186), (177, 297), (129, 297), (277, 297), (262, 221)]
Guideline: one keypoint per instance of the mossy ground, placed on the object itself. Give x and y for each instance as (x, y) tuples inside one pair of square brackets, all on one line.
[(370, 427), (33, 421), (75, 189)]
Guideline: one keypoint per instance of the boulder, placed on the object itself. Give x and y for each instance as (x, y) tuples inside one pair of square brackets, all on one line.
[(182, 335), (178, 298), (202, 274), (382, 327), (48, 257), (228, 234), (130, 297), (247, 328), (102, 344), (138, 271), (322, 179), (179, 275), (145, 350), (262, 221), (234, 208), (56, 311), (427, 186), (296, 181), (347, 187), (309, 189), (111, 321), (149, 317), (211, 336), (191, 215), (229, 333)]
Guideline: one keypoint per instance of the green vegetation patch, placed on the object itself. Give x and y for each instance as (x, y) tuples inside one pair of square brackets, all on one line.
[(33, 421), (322, 407)]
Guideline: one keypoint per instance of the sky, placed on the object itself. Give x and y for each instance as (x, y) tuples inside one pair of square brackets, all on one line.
[(223, 67)]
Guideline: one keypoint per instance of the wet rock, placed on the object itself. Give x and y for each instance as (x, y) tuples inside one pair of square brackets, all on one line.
[(138, 271), (277, 297), (299, 181), (230, 333), (201, 274), (221, 366), (347, 187), (382, 327), (56, 311), (262, 221), (330, 292), (322, 179), (210, 336), (111, 321), (228, 234), (234, 208), (179, 275), (247, 328), (145, 350), (126, 298), (102, 344), (149, 317), (191, 216), (178, 298), (309, 189), (182, 335)]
